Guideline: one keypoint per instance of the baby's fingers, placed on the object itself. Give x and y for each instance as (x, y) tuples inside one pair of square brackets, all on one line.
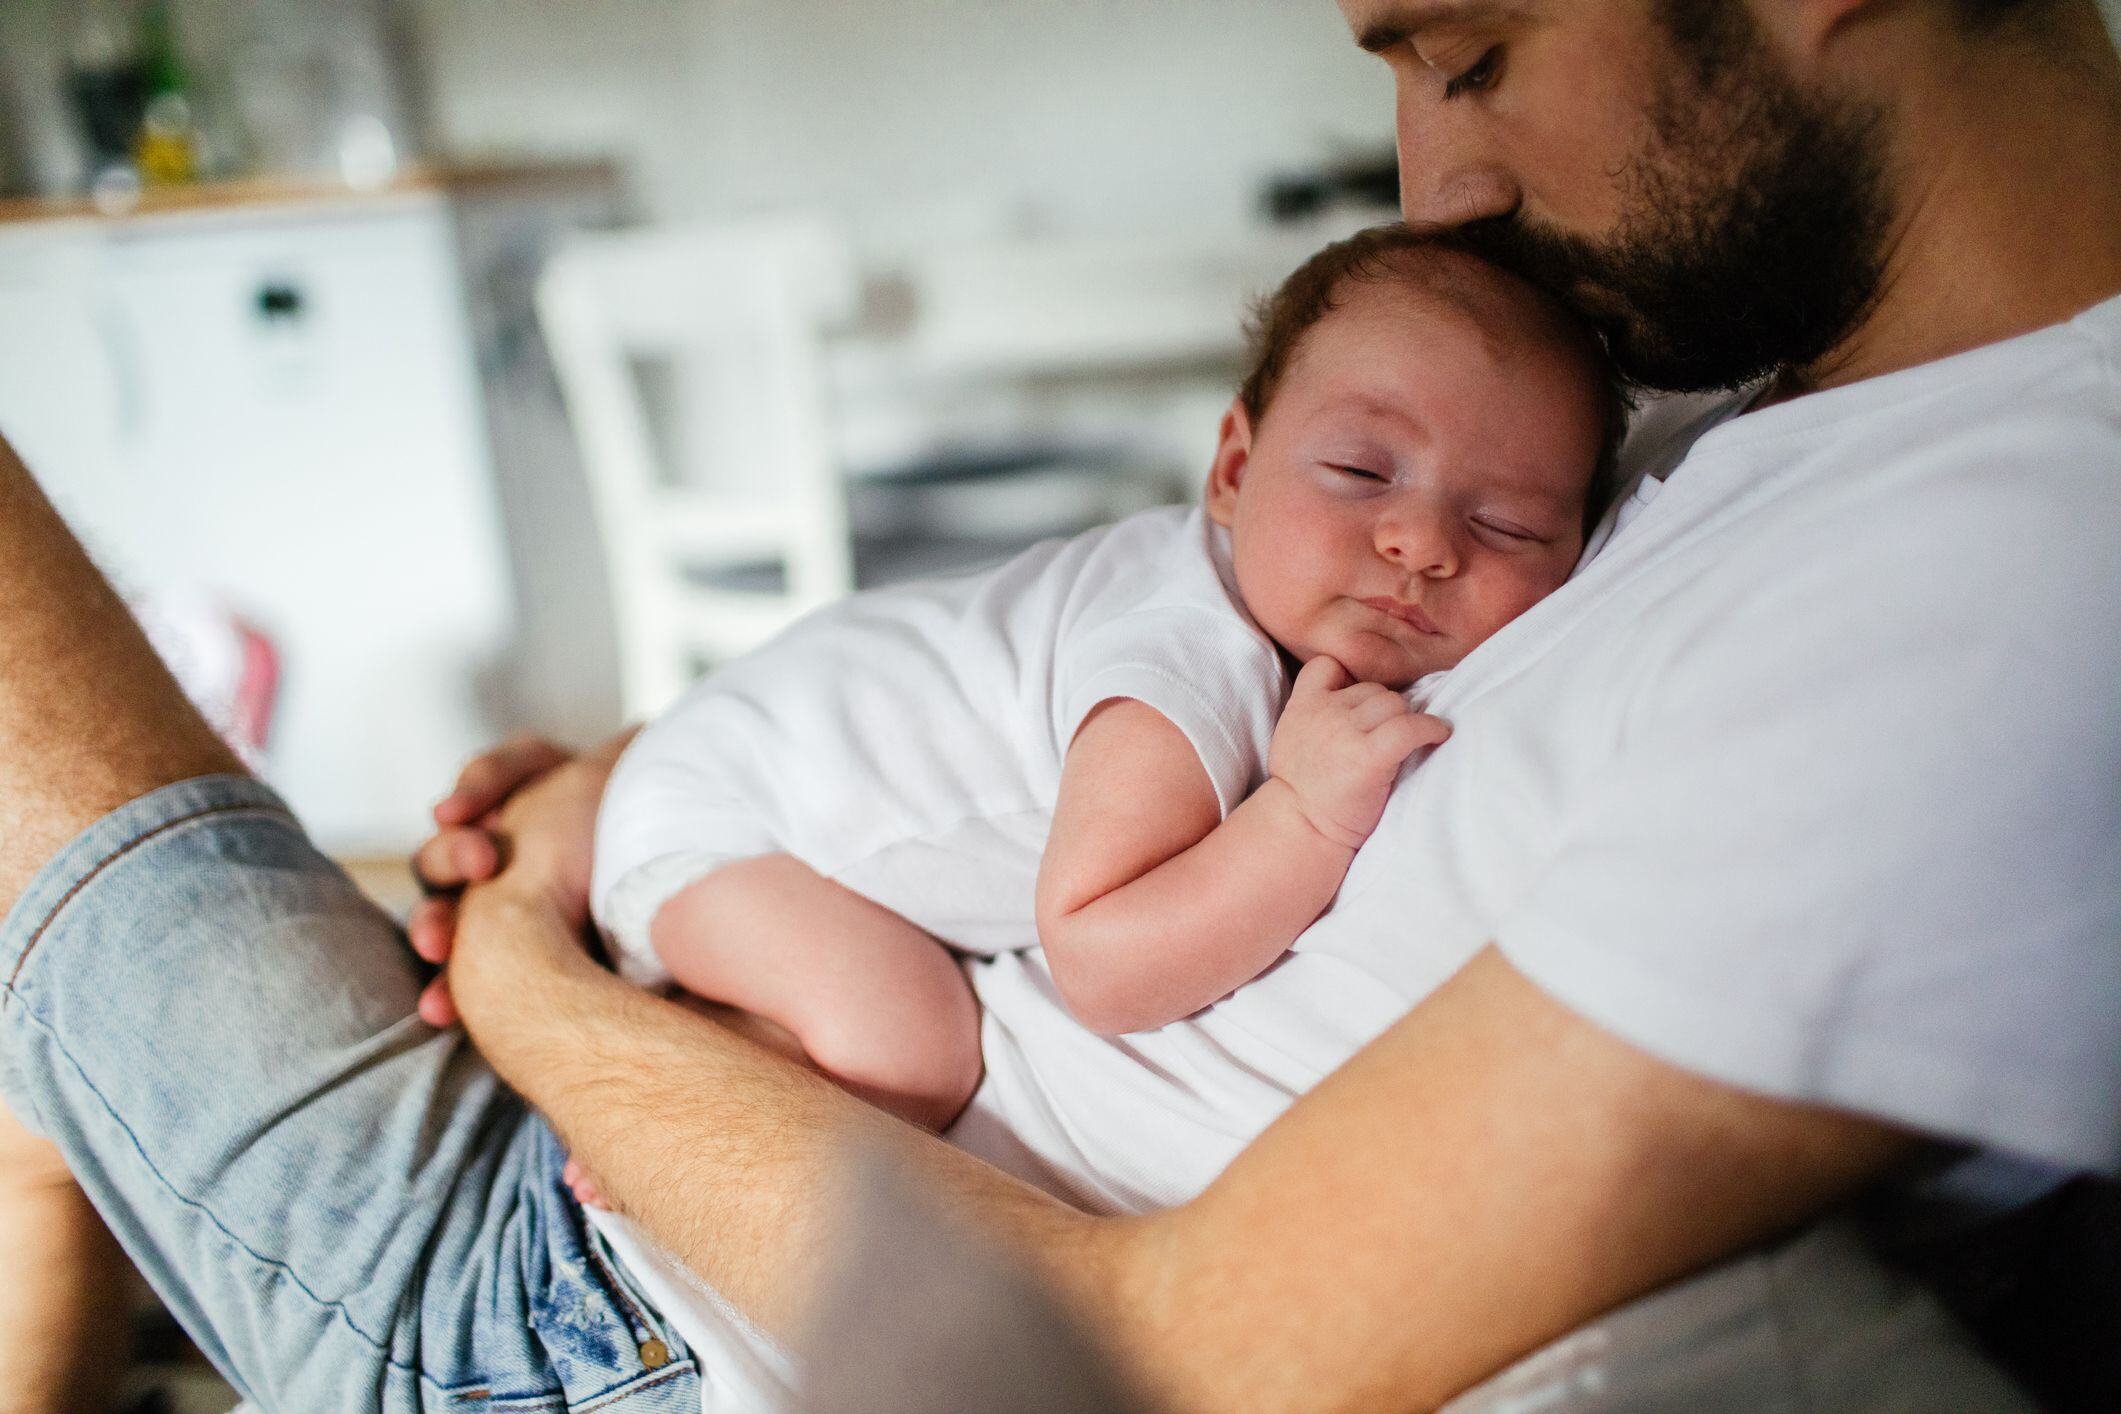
[(1430, 731), (1372, 712), (1401, 737), (1320, 674)]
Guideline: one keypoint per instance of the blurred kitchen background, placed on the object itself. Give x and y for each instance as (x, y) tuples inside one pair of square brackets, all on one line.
[(430, 370)]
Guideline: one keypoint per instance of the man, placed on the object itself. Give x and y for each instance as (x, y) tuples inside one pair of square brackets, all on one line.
[(1784, 835), (65, 1276)]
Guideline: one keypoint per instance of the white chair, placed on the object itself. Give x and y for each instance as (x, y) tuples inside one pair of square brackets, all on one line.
[(753, 301), (1032, 387), (1143, 333), (1088, 306)]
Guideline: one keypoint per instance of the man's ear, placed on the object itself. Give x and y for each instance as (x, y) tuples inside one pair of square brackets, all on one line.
[(1233, 452)]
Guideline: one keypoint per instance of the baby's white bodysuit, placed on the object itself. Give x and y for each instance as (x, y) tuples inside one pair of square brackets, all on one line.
[(907, 742)]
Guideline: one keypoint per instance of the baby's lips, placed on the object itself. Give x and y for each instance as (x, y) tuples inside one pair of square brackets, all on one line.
[(1406, 612)]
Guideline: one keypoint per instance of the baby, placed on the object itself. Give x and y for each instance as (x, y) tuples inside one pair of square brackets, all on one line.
[(1096, 747)]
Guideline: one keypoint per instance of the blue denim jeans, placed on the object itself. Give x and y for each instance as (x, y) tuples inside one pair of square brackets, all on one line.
[(346, 1208)]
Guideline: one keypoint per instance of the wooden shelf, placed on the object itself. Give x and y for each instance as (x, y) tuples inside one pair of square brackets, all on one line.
[(271, 192)]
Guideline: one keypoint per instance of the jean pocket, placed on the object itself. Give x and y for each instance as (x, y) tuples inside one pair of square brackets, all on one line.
[(603, 1339)]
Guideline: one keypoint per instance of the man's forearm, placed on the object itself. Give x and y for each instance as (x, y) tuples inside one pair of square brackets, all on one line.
[(1486, 1175), (727, 1153)]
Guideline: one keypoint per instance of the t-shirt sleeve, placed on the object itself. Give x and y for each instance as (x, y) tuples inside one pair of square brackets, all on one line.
[(1858, 838), (1216, 680)]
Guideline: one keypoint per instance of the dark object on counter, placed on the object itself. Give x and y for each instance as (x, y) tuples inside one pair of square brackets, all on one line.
[(109, 102), (134, 98), (1367, 180)]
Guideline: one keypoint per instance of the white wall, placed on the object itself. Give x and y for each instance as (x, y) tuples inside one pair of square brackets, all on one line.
[(1077, 114), (36, 140), (1072, 114), (1069, 114)]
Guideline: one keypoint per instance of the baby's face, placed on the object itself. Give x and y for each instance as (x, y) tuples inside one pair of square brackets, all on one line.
[(1417, 481)]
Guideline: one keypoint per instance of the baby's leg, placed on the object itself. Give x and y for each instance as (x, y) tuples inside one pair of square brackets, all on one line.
[(877, 1003)]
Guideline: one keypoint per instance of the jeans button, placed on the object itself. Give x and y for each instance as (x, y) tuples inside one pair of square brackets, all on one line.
[(654, 1354)]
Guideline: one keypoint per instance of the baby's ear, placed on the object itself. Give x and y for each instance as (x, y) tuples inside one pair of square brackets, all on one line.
[(1233, 451)]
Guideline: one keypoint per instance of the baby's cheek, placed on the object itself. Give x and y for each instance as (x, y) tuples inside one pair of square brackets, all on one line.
[(1509, 592), (1287, 617)]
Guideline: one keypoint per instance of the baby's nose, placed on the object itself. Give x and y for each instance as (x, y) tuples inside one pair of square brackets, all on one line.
[(1418, 543)]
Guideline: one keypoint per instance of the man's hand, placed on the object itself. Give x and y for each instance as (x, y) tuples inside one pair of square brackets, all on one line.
[(527, 802), (1338, 747)]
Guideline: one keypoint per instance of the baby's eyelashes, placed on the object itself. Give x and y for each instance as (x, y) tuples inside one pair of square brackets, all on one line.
[(1509, 530)]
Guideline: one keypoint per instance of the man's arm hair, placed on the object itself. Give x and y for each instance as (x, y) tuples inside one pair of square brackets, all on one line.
[(1488, 1174)]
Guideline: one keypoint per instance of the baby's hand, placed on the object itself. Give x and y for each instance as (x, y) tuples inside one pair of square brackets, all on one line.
[(583, 1187), (1338, 748)]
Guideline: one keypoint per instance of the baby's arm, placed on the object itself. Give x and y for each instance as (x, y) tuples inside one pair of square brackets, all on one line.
[(1148, 908)]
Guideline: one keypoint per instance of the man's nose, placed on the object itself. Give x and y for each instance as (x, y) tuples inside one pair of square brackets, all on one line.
[(1419, 542), (1446, 178)]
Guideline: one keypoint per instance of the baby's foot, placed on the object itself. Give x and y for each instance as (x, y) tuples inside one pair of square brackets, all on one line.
[(583, 1187)]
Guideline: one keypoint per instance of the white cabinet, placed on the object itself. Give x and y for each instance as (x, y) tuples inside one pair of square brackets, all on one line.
[(282, 407)]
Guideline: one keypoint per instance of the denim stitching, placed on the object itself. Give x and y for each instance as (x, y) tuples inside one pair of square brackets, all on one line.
[(483, 1395), (510, 1402), (44, 926), (685, 1367), (634, 1314), (336, 1308)]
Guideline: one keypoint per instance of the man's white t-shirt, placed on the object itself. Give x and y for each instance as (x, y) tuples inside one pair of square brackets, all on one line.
[(908, 742), (1810, 780)]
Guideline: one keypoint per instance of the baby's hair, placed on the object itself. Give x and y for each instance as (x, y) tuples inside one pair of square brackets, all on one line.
[(1436, 263)]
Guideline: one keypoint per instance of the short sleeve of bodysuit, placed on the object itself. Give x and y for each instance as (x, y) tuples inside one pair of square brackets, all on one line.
[(1168, 630), (911, 738), (1216, 679)]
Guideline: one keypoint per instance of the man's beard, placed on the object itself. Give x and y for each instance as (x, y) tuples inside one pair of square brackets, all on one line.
[(1752, 233)]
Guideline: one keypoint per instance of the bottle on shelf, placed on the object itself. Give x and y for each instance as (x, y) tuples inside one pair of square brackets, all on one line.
[(106, 87), (167, 148)]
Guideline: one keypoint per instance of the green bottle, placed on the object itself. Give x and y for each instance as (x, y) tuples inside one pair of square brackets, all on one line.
[(168, 148)]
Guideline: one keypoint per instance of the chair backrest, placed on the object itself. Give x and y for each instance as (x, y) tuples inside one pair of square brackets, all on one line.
[(741, 310), (1060, 306)]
